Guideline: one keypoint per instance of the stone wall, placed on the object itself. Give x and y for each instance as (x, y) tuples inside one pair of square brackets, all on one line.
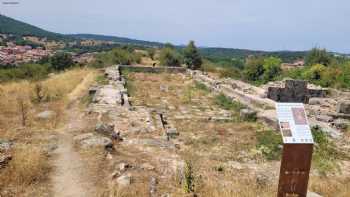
[(147, 69), (294, 91)]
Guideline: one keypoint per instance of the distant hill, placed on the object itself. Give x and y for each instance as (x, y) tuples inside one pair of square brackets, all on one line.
[(119, 40), (224, 53), (11, 26), (18, 28)]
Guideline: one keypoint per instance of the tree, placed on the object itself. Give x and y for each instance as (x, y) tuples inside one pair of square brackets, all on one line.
[(272, 68), (192, 57), (121, 56), (169, 57), (315, 72), (254, 68), (318, 56), (61, 61)]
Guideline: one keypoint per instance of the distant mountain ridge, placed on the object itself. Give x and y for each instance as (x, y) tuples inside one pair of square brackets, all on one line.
[(18, 28), (12, 26)]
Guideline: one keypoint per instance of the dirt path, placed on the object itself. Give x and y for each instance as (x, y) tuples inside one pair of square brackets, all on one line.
[(70, 175)]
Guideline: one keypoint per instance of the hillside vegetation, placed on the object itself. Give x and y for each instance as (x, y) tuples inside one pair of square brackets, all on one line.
[(120, 40), (18, 28)]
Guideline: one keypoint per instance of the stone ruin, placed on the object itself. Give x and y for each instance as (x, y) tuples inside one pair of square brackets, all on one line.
[(295, 91)]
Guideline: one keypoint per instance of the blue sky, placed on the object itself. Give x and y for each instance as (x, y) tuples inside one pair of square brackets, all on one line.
[(249, 24)]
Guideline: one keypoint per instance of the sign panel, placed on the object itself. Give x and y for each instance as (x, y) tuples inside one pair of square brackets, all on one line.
[(293, 123)]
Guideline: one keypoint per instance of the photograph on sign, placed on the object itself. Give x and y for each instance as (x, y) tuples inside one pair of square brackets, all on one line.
[(293, 123), (299, 116)]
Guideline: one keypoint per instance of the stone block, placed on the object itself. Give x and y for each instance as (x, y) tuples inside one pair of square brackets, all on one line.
[(343, 107)]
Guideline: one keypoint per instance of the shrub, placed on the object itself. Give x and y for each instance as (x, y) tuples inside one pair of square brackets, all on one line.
[(121, 56), (25, 71), (254, 68), (318, 56), (169, 57), (272, 68), (61, 61)]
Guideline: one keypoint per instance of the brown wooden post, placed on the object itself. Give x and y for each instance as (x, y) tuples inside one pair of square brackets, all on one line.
[(295, 169)]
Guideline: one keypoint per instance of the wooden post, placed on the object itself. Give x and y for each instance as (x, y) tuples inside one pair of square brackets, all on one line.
[(295, 169)]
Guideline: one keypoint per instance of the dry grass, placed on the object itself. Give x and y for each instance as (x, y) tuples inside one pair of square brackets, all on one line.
[(29, 168), (55, 92), (212, 144)]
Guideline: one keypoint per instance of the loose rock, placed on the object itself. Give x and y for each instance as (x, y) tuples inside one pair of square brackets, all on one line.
[(248, 114), (124, 180), (45, 115), (5, 145), (90, 140)]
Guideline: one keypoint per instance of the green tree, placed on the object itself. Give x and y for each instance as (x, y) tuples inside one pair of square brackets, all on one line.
[(169, 57), (254, 68), (318, 56), (315, 72), (124, 56), (61, 61), (192, 57), (272, 68)]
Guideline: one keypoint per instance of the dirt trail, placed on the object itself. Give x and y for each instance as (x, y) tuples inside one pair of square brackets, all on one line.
[(69, 178)]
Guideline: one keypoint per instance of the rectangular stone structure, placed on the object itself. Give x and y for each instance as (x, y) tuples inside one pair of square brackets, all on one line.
[(294, 91)]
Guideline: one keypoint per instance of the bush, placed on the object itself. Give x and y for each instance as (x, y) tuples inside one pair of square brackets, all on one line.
[(61, 61), (272, 68), (122, 56), (169, 57), (318, 56), (26, 71), (254, 69)]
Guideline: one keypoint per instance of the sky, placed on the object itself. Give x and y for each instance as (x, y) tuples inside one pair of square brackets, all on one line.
[(248, 24)]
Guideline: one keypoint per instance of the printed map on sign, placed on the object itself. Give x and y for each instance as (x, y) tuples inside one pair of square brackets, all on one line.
[(293, 123)]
